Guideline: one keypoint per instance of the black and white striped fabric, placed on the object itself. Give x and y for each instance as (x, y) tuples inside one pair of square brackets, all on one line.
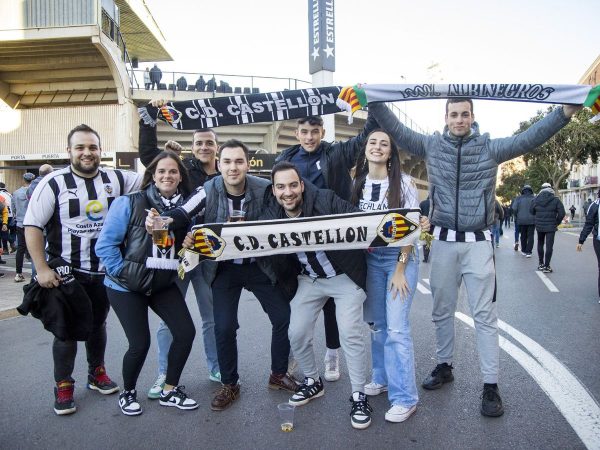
[(448, 235), (374, 195), (236, 203), (72, 210), (317, 265)]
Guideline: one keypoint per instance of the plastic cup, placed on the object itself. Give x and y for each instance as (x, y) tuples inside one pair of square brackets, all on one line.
[(237, 215), (160, 231), (286, 415)]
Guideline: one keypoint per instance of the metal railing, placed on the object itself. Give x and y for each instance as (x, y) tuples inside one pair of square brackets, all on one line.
[(219, 83), (111, 29)]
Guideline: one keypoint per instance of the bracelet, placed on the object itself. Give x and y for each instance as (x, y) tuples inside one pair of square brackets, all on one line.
[(403, 257)]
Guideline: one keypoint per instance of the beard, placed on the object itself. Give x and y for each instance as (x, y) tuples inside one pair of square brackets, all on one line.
[(88, 170)]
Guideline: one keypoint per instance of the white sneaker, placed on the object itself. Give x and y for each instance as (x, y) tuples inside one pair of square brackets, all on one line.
[(399, 413), (129, 404), (332, 367), (177, 398), (157, 387), (375, 389)]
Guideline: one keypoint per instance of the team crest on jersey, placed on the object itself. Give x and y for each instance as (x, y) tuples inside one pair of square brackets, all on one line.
[(108, 189), (171, 115), (394, 227)]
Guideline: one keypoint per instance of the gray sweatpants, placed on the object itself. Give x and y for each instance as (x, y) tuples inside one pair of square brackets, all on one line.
[(306, 306), (473, 264)]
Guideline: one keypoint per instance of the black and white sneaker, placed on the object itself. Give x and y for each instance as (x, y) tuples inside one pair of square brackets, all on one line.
[(360, 414), (547, 269), (177, 398), (541, 267), (129, 404), (308, 390)]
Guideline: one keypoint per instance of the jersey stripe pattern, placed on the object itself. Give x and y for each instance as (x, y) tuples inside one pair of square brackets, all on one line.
[(71, 209)]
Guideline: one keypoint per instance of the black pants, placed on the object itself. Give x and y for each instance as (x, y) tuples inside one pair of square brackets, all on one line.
[(21, 249), (597, 250), (226, 289), (64, 352), (132, 310), (527, 235), (548, 238), (332, 335)]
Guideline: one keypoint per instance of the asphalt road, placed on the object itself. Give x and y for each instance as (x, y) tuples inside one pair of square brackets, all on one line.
[(541, 413)]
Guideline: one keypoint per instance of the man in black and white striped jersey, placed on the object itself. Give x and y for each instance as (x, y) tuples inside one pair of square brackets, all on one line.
[(70, 205)]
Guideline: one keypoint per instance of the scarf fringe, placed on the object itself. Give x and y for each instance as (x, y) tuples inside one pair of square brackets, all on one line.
[(146, 116), (162, 263)]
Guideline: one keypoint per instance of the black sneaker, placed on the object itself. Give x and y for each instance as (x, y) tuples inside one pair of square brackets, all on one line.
[(440, 375), (547, 269), (360, 414), (63, 398), (491, 403), (129, 404), (308, 390), (99, 381), (541, 267), (516, 247), (177, 398)]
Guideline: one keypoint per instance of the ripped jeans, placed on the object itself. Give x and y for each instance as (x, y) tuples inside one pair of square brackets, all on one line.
[(391, 340)]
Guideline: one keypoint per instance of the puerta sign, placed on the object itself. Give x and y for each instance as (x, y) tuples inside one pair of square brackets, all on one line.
[(321, 36)]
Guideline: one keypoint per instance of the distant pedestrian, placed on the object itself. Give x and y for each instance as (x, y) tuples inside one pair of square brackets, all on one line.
[(526, 220), (497, 225), (44, 170), (513, 213), (200, 84), (147, 82), (549, 213), (572, 209), (181, 83), (19, 206), (425, 205), (591, 225), (155, 76), (8, 235)]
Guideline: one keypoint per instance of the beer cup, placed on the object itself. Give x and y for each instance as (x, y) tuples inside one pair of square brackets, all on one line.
[(160, 231)]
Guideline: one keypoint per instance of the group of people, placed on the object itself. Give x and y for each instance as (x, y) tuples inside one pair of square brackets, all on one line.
[(99, 221), (153, 77), (541, 213)]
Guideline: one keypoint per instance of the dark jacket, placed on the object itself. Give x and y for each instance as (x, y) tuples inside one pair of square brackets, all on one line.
[(148, 146), (522, 205), (217, 210), (181, 84), (424, 205), (591, 223), (155, 74), (65, 311), (337, 159), (462, 172), (136, 249), (548, 211), (321, 202), (498, 212)]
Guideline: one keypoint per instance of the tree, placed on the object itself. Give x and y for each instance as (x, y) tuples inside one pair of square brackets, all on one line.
[(576, 143), (512, 181)]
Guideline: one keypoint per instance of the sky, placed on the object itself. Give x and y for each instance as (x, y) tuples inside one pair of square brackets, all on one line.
[(393, 41)]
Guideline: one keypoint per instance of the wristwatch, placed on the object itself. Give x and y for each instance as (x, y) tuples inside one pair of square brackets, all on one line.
[(403, 257)]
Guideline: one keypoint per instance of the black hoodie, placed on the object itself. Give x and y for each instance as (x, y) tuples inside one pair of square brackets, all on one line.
[(548, 211)]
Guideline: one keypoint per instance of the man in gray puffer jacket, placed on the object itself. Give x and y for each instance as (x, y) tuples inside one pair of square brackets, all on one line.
[(462, 166), (549, 212), (525, 219)]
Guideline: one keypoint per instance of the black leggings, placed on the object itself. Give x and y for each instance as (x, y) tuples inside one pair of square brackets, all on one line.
[(132, 310), (21, 249), (332, 334), (549, 238), (64, 352)]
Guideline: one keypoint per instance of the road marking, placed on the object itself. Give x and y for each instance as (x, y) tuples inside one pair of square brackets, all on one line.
[(571, 398), (571, 233), (549, 284), (422, 289), (426, 280)]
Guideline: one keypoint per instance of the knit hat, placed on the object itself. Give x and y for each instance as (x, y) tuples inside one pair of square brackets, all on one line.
[(28, 176), (546, 185)]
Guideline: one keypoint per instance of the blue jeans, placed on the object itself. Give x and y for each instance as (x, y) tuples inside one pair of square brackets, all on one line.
[(391, 341), (205, 305), (496, 232)]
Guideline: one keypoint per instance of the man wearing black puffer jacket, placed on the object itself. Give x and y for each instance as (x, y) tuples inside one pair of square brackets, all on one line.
[(549, 212)]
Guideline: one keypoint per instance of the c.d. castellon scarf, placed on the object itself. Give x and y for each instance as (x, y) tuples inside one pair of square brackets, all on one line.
[(286, 105)]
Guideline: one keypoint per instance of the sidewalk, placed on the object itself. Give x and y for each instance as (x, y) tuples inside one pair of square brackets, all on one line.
[(11, 293)]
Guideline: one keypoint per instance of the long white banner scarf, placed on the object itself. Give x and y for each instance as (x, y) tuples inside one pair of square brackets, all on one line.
[(289, 105), (361, 230), (355, 97)]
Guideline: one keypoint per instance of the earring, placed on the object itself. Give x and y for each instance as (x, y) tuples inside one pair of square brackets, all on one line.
[(389, 164)]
